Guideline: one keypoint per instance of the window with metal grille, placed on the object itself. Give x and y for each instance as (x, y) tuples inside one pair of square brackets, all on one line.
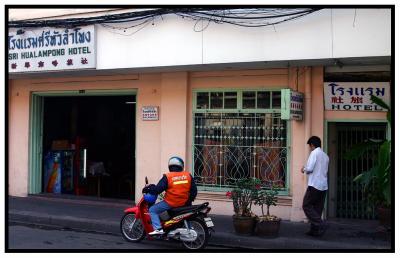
[(232, 144)]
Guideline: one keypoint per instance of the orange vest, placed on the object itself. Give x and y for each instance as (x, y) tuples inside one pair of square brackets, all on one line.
[(178, 191)]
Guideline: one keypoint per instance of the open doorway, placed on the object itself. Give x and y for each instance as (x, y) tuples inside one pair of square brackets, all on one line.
[(89, 146)]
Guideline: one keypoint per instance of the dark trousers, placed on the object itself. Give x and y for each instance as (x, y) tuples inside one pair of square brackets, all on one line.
[(313, 205)]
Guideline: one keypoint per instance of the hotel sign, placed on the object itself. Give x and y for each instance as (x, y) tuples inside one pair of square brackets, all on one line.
[(50, 49), (355, 96)]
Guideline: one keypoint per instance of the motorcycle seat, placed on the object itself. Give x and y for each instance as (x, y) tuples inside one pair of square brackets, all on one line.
[(180, 210)]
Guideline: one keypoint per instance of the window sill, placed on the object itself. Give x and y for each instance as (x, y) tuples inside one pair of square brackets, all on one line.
[(221, 196)]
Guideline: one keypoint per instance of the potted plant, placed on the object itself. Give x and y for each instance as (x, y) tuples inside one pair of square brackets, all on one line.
[(267, 225), (376, 181), (242, 196)]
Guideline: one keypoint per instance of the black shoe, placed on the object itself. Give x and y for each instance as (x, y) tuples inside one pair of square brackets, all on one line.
[(322, 229)]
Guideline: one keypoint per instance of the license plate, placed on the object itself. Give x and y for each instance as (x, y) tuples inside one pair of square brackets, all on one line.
[(209, 222)]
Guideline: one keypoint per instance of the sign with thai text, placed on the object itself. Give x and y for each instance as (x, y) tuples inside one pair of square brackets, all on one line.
[(49, 49), (292, 105), (149, 113), (355, 96), (296, 105)]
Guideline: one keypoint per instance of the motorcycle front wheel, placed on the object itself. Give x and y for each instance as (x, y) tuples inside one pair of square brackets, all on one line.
[(203, 235), (131, 228)]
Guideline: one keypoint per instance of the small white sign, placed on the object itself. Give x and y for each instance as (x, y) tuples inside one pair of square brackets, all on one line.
[(291, 105), (149, 113), (355, 96), (49, 49), (296, 105)]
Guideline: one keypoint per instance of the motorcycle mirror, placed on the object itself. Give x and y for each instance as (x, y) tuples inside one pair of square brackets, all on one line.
[(146, 180)]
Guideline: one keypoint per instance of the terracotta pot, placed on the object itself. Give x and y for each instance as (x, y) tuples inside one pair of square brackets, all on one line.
[(268, 228), (384, 216), (244, 225)]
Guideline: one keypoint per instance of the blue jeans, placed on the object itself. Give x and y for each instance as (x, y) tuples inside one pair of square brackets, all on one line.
[(155, 210)]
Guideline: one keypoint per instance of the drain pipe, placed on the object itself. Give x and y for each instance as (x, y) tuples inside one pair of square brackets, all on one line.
[(307, 99), (307, 117)]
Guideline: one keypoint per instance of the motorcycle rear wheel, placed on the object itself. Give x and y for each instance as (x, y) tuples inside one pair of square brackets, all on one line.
[(132, 229), (203, 235)]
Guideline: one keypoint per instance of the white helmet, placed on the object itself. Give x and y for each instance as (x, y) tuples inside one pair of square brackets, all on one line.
[(176, 162)]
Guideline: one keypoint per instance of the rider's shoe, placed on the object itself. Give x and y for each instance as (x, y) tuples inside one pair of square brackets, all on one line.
[(157, 232)]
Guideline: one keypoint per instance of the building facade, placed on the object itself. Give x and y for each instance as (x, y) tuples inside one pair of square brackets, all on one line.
[(112, 103)]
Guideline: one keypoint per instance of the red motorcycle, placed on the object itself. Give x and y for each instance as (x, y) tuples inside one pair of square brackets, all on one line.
[(189, 224)]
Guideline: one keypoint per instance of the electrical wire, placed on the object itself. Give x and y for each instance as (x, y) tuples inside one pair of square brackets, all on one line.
[(354, 20), (245, 17), (260, 19), (112, 28)]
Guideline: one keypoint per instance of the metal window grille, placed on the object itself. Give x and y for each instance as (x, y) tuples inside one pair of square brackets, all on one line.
[(231, 146), (352, 202)]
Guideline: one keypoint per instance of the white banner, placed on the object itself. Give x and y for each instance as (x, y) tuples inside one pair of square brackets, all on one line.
[(49, 49), (355, 96)]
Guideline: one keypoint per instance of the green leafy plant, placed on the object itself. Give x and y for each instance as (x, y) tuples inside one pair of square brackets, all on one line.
[(268, 198), (243, 195), (376, 181)]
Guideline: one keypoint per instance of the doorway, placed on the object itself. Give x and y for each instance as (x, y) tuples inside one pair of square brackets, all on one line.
[(87, 145), (345, 197)]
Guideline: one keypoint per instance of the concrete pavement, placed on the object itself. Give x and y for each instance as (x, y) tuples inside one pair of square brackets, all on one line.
[(103, 215)]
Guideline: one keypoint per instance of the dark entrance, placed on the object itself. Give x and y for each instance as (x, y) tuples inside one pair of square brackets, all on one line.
[(89, 146), (346, 199)]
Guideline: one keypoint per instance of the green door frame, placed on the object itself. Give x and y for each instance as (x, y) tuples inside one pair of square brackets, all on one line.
[(35, 144), (326, 148), (36, 128)]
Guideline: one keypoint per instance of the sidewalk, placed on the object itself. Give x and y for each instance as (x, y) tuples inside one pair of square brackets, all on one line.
[(103, 215)]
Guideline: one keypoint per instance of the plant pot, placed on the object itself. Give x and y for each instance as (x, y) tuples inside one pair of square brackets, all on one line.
[(268, 228), (244, 225), (384, 216)]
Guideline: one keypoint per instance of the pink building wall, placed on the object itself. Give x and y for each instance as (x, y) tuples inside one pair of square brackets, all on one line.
[(298, 155), (173, 117), (18, 138), (148, 136), (156, 141)]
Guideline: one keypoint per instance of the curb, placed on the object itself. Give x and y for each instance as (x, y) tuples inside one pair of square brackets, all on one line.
[(102, 226), (219, 239), (254, 242)]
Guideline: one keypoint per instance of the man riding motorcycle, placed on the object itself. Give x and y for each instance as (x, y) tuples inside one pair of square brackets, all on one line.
[(180, 190)]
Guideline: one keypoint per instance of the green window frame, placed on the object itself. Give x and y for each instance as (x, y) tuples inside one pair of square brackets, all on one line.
[(240, 98), (206, 112)]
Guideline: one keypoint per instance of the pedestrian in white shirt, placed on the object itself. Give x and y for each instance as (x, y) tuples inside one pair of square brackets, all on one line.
[(314, 198)]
